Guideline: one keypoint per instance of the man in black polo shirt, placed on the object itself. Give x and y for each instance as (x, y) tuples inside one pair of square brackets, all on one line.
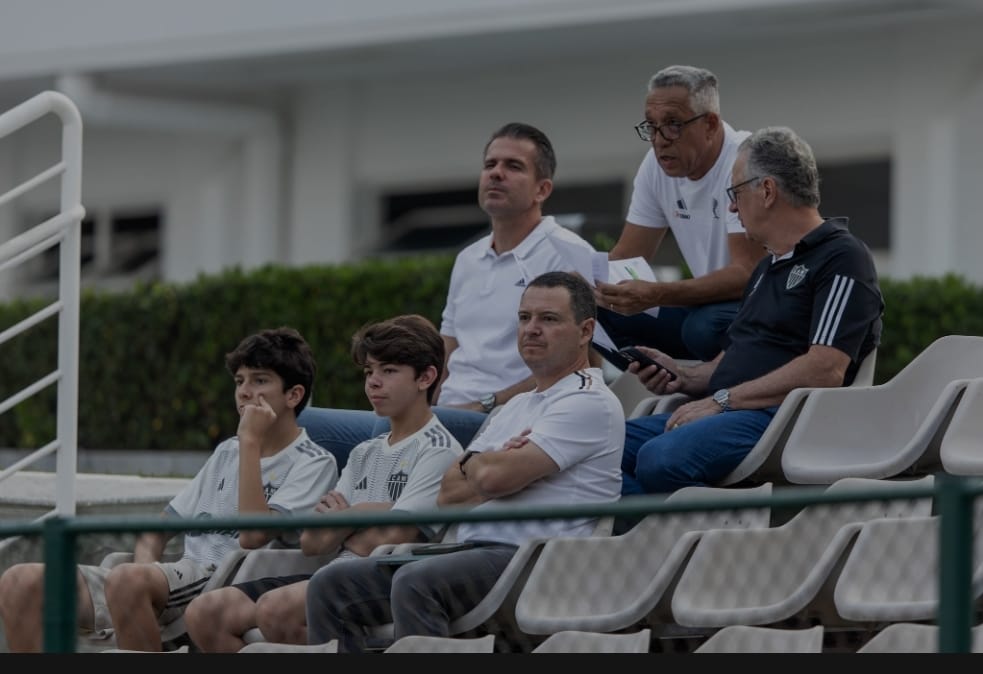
[(809, 315)]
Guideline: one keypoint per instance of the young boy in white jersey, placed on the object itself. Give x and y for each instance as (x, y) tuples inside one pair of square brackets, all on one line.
[(270, 466), (401, 470)]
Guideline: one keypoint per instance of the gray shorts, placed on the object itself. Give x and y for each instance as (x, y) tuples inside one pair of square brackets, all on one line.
[(185, 580)]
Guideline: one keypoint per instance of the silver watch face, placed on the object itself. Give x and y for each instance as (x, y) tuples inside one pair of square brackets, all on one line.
[(488, 401), (722, 398)]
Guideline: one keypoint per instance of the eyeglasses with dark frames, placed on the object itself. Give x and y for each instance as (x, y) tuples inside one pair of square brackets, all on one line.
[(733, 189), (670, 130)]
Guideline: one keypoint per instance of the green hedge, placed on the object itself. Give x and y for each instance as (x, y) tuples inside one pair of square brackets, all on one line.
[(151, 372), (151, 361)]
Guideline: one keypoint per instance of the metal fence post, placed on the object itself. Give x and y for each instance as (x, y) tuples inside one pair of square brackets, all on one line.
[(60, 593), (955, 564)]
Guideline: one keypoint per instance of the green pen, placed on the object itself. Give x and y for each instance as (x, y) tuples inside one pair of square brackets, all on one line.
[(631, 272)]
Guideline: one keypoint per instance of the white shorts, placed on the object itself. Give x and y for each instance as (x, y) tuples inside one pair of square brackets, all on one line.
[(185, 580)]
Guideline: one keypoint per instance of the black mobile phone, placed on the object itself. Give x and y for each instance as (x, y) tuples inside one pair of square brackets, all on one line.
[(636, 356)]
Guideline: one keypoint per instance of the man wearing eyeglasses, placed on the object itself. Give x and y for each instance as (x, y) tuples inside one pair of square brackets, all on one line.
[(810, 314), (681, 186)]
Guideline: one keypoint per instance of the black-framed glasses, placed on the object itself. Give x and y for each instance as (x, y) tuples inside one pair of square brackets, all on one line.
[(733, 189), (670, 130)]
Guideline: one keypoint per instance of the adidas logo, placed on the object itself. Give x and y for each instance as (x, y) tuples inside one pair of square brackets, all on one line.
[(521, 283)]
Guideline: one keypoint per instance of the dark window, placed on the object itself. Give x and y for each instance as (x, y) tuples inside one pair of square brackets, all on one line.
[(450, 219), (133, 249), (861, 191)]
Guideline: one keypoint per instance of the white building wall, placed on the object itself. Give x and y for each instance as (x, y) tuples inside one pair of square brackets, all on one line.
[(912, 94), (322, 184)]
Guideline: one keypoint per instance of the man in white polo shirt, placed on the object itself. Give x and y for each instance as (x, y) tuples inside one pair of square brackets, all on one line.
[(479, 323)]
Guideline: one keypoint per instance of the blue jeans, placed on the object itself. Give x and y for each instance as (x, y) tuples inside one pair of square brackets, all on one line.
[(699, 453), (698, 333), (338, 431)]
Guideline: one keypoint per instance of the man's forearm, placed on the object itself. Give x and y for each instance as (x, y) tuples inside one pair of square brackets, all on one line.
[(820, 367), (455, 490), (323, 541), (364, 541), (723, 285)]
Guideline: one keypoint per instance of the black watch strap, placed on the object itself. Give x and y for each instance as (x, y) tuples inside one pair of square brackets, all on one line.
[(464, 459)]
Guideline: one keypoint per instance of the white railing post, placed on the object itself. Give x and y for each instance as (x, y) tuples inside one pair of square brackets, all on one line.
[(65, 230), (69, 280)]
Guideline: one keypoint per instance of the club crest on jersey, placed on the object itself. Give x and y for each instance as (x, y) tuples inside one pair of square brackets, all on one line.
[(796, 276), (395, 484)]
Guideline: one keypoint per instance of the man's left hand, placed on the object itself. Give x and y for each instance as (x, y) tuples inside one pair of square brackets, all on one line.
[(698, 409), (626, 297)]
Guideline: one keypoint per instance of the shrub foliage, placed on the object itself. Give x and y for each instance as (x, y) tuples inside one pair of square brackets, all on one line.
[(151, 368)]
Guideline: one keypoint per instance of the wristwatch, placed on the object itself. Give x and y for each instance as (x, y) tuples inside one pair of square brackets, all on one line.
[(487, 402), (464, 459), (722, 398)]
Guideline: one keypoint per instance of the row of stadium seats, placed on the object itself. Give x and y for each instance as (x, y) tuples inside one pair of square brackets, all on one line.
[(923, 419), (842, 565), (848, 567)]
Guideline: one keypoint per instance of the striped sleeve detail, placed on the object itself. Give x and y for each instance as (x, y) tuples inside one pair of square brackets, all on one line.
[(586, 380), (309, 448), (836, 301), (438, 436)]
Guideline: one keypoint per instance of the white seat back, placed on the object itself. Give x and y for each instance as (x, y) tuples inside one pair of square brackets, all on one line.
[(960, 449), (748, 639), (572, 641), (424, 644), (763, 576), (885, 430), (604, 584)]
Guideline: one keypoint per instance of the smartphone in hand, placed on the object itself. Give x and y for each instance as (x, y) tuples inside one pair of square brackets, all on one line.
[(636, 356)]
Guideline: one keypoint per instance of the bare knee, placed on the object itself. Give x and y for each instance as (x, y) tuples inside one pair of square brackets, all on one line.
[(217, 619), (201, 614), (20, 585), (133, 585), (281, 614), (21, 602)]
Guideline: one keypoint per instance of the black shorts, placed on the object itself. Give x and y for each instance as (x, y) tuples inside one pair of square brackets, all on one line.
[(254, 589)]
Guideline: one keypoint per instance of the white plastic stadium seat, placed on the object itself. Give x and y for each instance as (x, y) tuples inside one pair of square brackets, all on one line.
[(611, 583), (573, 641), (892, 572), (763, 462), (886, 430), (765, 576), (629, 391), (960, 450), (749, 639), (266, 647), (422, 644), (914, 638)]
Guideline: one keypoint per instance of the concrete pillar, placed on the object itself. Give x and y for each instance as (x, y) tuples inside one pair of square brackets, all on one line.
[(967, 212), (322, 174), (260, 200)]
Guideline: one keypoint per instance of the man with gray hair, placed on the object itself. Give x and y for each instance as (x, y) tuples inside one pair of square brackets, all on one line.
[(810, 314), (681, 185)]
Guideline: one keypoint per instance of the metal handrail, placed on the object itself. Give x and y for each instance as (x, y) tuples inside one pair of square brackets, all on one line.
[(953, 494), (64, 230)]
